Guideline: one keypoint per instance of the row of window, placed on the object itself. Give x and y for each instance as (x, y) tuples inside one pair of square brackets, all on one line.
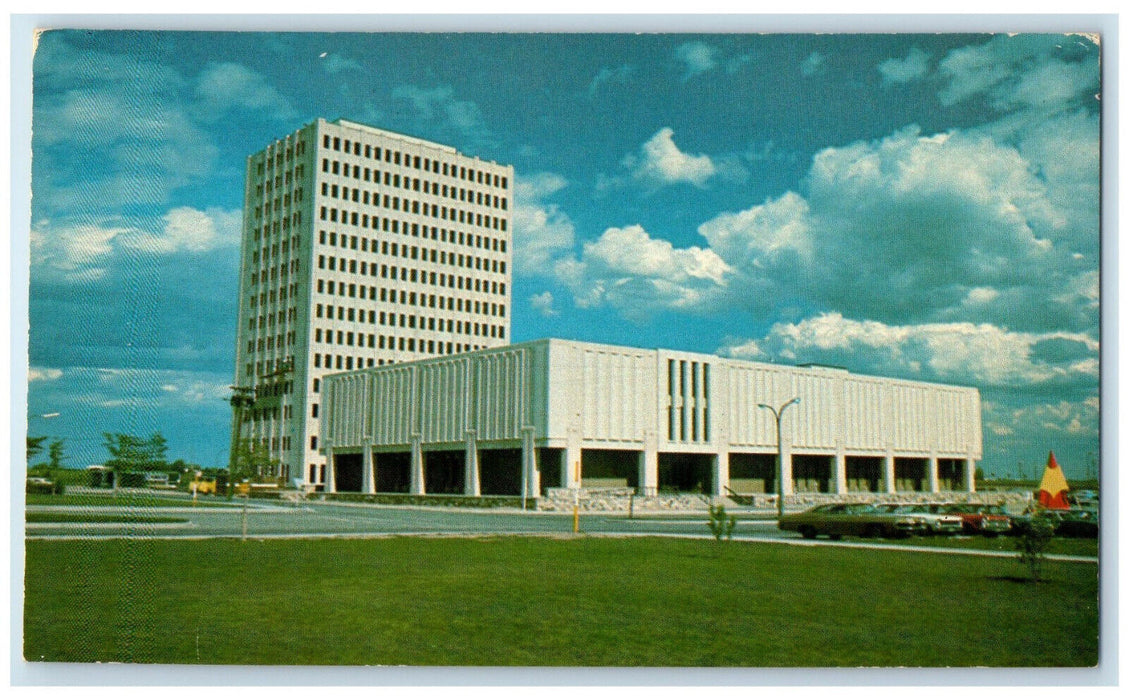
[(275, 272), (442, 235), (469, 262), (277, 161), (270, 342), (265, 320), (393, 180), (280, 226), (429, 347), (269, 185), (409, 321), (408, 298), (276, 250), (257, 415), (380, 223), (416, 162), (265, 367), (280, 294), (279, 203)]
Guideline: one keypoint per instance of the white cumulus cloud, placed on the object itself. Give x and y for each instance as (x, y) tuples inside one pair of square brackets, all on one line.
[(43, 374), (961, 352), (638, 274), (696, 57), (661, 161), (543, 304), (542, 232), (913, 67), (190, 230), (222, 87)]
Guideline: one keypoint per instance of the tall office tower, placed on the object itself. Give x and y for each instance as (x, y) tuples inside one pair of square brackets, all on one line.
[(361, 247)]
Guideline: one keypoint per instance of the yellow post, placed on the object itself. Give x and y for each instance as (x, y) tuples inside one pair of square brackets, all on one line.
[(576, 503)]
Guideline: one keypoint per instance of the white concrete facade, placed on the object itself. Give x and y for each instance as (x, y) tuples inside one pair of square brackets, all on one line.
[(361, 248), (553, 412)]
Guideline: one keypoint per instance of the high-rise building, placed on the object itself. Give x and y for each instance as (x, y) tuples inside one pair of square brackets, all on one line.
[(361, 247)]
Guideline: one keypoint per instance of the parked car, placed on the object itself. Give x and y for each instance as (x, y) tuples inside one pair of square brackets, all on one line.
[(981, 519), (937, 520), (1075, 522), (858, 519)]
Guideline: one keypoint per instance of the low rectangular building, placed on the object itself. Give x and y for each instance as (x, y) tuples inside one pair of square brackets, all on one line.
[(554, 413)]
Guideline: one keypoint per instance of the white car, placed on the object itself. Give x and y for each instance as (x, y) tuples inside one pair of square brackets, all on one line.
[(937, 521)]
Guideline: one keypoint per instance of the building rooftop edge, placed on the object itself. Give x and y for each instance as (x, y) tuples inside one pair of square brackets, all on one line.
[(806, 367), (353, 124)]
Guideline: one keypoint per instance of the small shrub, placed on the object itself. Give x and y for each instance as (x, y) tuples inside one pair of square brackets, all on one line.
[(49, 488), (721, 524), (1031, 545)]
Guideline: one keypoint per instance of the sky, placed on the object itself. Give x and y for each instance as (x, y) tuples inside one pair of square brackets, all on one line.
[(923, 206)]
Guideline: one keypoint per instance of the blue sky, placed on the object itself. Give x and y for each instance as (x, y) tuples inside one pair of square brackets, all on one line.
[(921, 206)]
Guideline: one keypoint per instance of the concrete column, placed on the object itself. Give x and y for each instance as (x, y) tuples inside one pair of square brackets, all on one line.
[(529, 463), (649, 465), (888, 472), (789, 486), (472, 481), (570, 461), (368, 471), (720, 473), (934, 482), (417, 485), (330, 470), (970, 474), (840, 471)]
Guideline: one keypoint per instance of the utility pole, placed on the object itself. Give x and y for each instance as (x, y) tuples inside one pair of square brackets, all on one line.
[(242, 398)]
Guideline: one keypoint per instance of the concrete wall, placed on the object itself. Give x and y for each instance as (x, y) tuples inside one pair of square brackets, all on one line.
[(571, 396)]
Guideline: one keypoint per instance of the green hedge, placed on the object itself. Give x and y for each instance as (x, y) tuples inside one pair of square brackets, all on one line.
[(52, 488)]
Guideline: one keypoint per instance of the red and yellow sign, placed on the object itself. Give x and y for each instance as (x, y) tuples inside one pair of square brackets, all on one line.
[(1053, 488)]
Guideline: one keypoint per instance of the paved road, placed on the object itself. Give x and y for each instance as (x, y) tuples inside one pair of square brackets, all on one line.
[(270, 519), (316, 519)]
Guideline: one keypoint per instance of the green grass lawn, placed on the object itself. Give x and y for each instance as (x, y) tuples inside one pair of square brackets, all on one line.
[(100, 518), (124, 500), (1076, 546), (544, 601)]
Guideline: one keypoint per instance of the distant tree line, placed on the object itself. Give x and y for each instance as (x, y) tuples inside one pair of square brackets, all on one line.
[(132, 453)]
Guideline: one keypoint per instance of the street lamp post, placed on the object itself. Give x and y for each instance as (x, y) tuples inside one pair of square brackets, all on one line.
[(778, 414)]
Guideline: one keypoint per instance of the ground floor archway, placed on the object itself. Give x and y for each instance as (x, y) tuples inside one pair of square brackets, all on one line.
[(393, 472), (348, 473), (752, 473), (864, 474), (909, 473), (444, 471), (499, 472), (609, 468), (686, 472), (812, 473)]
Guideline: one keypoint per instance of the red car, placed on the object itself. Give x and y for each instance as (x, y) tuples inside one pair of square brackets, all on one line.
[(981, 519)]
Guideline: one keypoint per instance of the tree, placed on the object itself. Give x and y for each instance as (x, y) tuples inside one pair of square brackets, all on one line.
[(132, 453), (157, 448), (721, 524), (129, 453), (56, 454), (252, 459), (34, 446), (1031, 545)]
